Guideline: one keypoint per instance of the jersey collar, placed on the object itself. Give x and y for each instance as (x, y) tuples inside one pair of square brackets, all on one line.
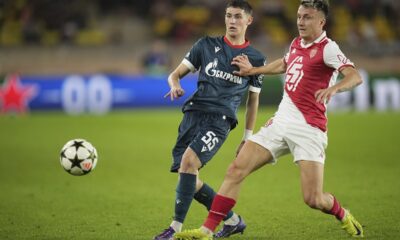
[(244, 45), (318, 40)]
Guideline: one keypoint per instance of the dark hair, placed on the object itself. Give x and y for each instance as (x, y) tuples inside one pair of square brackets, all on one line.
[(320, 5), (242, 4)]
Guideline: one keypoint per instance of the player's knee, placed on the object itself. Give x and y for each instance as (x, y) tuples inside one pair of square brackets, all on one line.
[(199, 184), (235, 173), (313, 201), (188, 166)]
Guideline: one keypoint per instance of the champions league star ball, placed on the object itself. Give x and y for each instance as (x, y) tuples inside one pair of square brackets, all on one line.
[(78, 157)]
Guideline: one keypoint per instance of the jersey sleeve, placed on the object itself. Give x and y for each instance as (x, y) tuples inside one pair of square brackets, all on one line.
[(286, 56), (334, 57), (257, 80), (193, 58)]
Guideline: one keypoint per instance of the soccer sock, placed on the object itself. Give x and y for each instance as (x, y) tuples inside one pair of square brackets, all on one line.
[(233, 220), (337, 210), (184, 195), (219, 209), (205, 196), (177, 226)]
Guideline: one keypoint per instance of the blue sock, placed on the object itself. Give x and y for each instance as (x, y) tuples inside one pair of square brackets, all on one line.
[(184, 195), (206, 196)]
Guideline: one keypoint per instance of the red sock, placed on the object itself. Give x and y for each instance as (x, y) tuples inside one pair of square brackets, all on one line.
[(337, 210), (219, 209)]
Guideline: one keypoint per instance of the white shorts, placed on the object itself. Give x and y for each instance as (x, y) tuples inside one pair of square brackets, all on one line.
[(301, 139)]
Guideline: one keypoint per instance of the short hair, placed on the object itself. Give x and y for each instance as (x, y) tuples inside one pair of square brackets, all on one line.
[(242, 4), (320, 5)]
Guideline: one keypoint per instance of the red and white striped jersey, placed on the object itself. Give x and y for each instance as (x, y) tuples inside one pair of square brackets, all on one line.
[(309, 68)]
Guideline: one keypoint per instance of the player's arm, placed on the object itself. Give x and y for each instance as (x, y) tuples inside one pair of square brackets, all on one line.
[(174, 78), (351, 80), (251, 110), (250, 117), (276, 67)]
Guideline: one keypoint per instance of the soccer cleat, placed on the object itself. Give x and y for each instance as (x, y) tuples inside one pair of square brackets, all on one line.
[(228, 230), (351, 225), (195, 234), (167, 234)]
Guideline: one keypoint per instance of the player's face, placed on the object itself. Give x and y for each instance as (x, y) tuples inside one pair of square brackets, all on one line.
[(236, 22), (310, 23)]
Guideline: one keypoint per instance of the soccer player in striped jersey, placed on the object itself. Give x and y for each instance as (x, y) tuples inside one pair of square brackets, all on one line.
[(300, 124), (210, 113)]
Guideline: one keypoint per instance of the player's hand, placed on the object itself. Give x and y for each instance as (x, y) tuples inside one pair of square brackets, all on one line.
[(324, 95), (244, 65), (175, 92), (240, 147)]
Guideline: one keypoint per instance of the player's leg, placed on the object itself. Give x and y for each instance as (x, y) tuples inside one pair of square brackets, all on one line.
[(212, 135), (205, 194), (186, 187), (250, 158), (183, 158), (262, 148), (204, 137), (185, 191), (311, 173)]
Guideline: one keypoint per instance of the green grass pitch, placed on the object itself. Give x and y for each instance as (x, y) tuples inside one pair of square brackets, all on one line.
[(131, 192)]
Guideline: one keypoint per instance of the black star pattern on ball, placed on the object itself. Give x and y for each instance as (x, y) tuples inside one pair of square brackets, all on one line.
[(63, 154), (92, 156), (75, 162), (77, 144)]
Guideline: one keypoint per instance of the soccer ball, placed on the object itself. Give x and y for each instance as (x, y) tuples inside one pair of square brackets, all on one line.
[(78, 157)]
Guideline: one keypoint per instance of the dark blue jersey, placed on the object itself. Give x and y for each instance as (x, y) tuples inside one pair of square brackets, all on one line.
[(218, 90)]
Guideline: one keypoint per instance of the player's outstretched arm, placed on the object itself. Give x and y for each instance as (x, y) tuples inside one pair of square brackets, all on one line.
[(351, 80), (176, 90), (276, 67), (251, 117)]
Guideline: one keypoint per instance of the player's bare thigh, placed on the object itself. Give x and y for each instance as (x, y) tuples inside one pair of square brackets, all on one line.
[(312, 177), (251, 157)]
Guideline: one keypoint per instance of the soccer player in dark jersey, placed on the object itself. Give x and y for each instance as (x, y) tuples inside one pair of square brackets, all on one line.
[(300, 124), (210, 113)]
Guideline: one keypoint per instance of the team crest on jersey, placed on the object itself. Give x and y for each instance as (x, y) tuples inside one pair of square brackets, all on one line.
[(212, 71), (313, 52)]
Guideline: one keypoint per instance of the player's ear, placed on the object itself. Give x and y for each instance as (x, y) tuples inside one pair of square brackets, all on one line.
[(323, 22), (250, 20), (323, 19)]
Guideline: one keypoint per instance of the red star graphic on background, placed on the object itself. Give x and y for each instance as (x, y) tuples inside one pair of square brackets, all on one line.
[(14, 96)]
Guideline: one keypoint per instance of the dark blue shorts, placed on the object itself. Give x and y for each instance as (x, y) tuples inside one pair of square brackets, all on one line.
[(203, 132)]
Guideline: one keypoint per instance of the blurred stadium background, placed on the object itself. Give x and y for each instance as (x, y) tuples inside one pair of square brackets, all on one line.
[(91, 36), (146, 39), (97, 56)]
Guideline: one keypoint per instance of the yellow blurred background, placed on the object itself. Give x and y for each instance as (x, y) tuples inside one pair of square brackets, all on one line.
[(122, 36)]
